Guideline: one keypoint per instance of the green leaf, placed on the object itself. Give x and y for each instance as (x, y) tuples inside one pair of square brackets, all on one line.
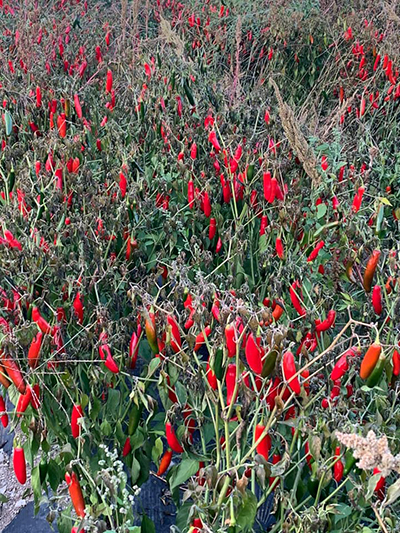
[(147, 525), (181, 392), (186, 469), (36, 487), (247, 512), (113, 400), (54, 474), (321, 210), (8, 121), (157, 450), (3, 498), (135, 471)]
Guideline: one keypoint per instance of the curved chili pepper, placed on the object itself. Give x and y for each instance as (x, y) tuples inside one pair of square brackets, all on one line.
[(376, 374), (358, 198), (3, 376), (34, 350), (3, 414), (370, 359), (19, 464), (41, 323), (230, 339), (289, 371), (75, 493), (165, 462), (370, 270), (338, 468), (77, 413), (327, 323), (105, 353), (172, 439), (313, 255), (62, 125), (23, 401), (230, 380), (211, 377), (13, 371), (133, 350), (377, 299), (218, 246), (264, 447), (253, 354), (214, 141), (200, 339), (295, 289), (78, 107), (176, 341), (380, 486), (78, 307), (340, 368)]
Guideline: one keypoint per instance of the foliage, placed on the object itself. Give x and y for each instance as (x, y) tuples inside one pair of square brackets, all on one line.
[(105, 229)]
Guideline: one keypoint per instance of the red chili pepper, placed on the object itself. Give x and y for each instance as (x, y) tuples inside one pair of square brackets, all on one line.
[(171, 391), (230, 338), (191, 194), (230, 380), (13, 371), (212, 229), (23, 401), (296, 297), (193, 151), (3, 414), (313, 255), (253, 354), (380, 486), (218, 247), (165, 462), (109, 81), (42, 324), (19, 464), (396, 362), (340, 368), (358, 199), (211, 377), (176, 341), (172, 439), (370, 270), (289, 371), (34, 350), (377, 299), (200, 339), (150, 329), (35, 400), (127, 447), (267, 185), (105, 353), (78, 307), (38, 97), (327, 323), (77, 413), (123, 183), (206, 205), (62, 125), (133, 350), (338, 468), (279, 248), (78, 107), (75, 493), (264, 447), (214, 141)]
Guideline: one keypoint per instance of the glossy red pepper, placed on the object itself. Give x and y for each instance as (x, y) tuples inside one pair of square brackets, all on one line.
[(34, 350), (230, 339), (377, 299), (214, 141), (3, 413), (78, 307), (396, 362), (127, 447), (279, 248), (340, 368), (41, 323), (23, 401), (327, 323), (289, 371), (253, 354), (264, 447), (313, 255), (230, 380), (77, 413), (212, 229), (105, 354), (193, 151), (165, 462), (19, 465), (338, 468), (109, 81), (211, 377), (75, 493), (296, 297), (172, 439), (133, 350), (176, 341)]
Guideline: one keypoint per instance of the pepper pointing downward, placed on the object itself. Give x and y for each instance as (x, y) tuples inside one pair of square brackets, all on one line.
[(370, 359), (289, 372)]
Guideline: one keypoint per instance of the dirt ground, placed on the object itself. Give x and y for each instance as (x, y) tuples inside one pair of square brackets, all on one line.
[(17, 495)]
